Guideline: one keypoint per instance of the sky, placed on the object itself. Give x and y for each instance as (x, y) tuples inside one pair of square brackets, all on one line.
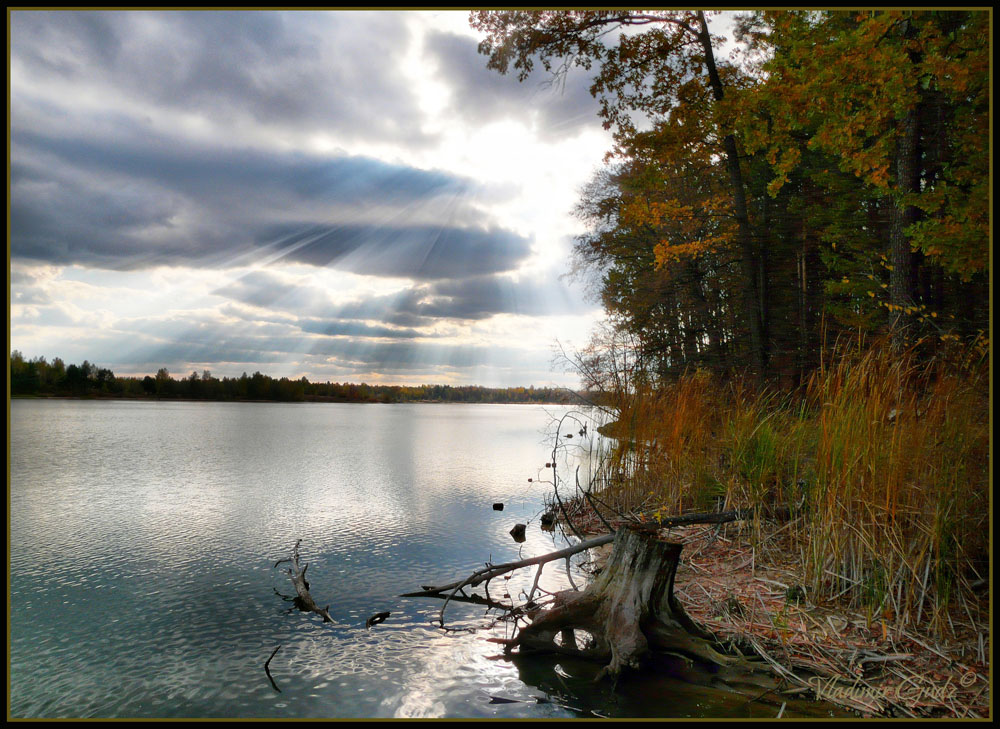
[(342, 195)]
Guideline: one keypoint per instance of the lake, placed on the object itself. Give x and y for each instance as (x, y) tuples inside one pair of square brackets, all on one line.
[(144, 535)]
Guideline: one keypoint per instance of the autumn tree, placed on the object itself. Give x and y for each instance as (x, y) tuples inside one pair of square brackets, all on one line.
[(899, 100), (662, 65), (661, 237)]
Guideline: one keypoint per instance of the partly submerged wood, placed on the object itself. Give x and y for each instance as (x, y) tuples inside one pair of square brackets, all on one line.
[(304, 601), (491, 571), (626, 612)]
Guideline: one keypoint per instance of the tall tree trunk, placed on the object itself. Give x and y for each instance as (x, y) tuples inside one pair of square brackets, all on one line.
[(902, 276), (934, 148), (804, 324), (749, 256)]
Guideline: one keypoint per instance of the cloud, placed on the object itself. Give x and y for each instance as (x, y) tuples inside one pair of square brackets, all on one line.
[(416, 307), (414, 251), (356, 329), (114, 185), (179, 341), (481, 95), (285, 144), (481, 297), (139, 201), (304, 71)]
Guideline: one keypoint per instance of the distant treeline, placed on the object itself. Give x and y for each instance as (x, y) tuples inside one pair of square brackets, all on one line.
[(38, 377)]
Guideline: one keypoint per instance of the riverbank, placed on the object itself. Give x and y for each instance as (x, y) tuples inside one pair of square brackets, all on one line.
[(752, 599), (876, 575)]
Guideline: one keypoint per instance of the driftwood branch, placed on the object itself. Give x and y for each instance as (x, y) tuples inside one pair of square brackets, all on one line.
[(491, 571), (451, 590), (304, 601), (267, 669)]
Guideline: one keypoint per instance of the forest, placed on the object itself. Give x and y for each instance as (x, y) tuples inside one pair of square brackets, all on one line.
[(37, 377), (831, 178)]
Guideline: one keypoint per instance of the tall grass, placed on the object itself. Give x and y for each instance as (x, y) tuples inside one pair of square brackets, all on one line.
[(899, 506), (885, 457), (666, 446)]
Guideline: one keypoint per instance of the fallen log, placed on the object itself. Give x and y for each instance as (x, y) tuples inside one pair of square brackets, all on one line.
[(712, 517), (490, 571), (304, 601)]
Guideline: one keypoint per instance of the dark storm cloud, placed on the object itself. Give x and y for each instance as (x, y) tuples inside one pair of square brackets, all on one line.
[(483, 95), (356, 329), (303, 307), (385, 357), (300, 70), (478, 297), (134, 202), (106, 189), (199, 170)]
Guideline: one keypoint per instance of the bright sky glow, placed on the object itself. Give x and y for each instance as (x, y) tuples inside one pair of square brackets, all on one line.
[(349, 196)]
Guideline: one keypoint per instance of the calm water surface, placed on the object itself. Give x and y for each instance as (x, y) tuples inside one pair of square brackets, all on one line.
[(143, 537)]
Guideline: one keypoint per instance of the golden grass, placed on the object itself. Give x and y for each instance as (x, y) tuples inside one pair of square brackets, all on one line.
[(885, 454)]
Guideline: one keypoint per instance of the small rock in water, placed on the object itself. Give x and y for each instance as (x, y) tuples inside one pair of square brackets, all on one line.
[(548, 518), (518, 532), (498, 507)]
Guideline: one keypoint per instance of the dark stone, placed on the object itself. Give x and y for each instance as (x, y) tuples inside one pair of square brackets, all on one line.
[(518, 532), (548, 518), (497, 507)]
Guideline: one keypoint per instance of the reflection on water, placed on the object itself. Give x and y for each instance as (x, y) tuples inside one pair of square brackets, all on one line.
[(144, 535)]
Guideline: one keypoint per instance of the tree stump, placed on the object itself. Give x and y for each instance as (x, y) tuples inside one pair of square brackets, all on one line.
[(628, 610)]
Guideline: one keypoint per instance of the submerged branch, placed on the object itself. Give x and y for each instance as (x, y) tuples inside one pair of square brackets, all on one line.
[(304, 601), (267, 669)]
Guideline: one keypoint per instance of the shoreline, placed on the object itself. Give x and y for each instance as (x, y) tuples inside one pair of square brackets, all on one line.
[(750, 600), (308, 401)]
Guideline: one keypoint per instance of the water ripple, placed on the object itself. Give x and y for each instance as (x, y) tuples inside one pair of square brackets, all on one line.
[(144, 536)]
